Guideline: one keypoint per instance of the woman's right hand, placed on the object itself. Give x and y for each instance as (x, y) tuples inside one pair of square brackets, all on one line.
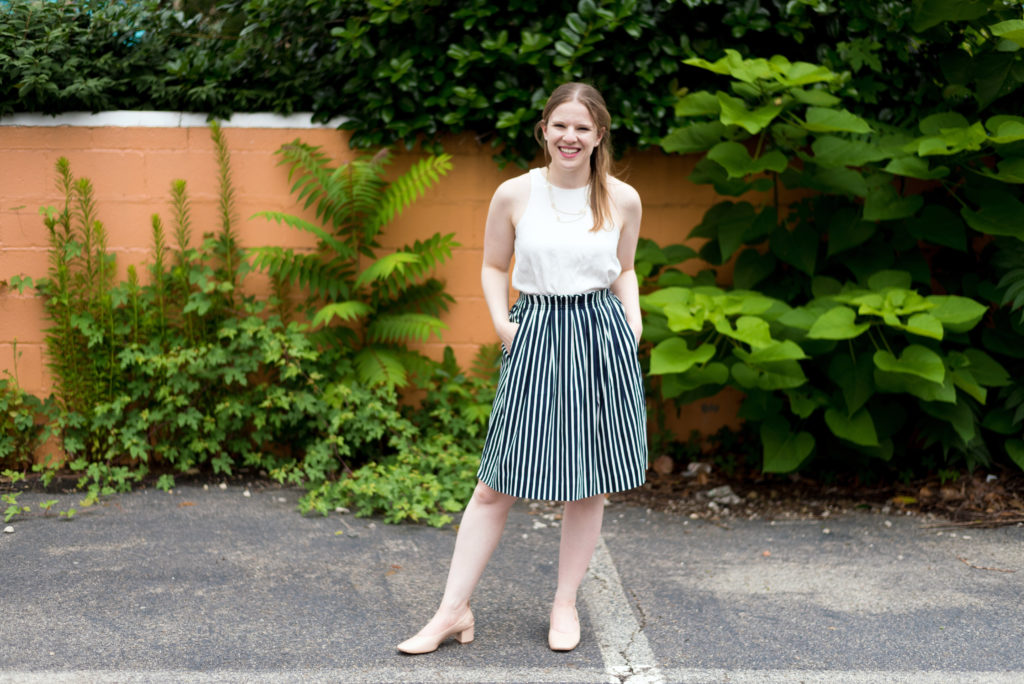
[(506, 333)]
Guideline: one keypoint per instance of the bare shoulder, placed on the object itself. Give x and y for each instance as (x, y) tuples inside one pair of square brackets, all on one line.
[(623, 194), (513, 190), (510, 199)]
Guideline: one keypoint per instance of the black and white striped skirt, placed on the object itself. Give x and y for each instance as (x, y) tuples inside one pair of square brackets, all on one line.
[(569, 419)]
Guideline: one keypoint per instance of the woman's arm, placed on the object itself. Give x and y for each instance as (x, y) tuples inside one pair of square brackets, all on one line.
[(625, 286), (499, 244)]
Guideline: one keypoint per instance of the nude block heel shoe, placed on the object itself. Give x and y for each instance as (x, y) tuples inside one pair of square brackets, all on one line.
[(462, 630), (565, 641)]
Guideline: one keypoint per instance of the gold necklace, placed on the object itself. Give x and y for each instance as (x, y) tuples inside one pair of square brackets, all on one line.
[(574, 215)]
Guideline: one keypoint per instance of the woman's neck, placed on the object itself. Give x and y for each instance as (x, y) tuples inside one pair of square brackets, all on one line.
[(562, 178)]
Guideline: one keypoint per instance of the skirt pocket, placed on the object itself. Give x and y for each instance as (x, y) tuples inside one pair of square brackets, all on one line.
[(514, 316)]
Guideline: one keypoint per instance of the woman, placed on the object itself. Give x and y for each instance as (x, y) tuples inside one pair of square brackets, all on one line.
[(568, 421)]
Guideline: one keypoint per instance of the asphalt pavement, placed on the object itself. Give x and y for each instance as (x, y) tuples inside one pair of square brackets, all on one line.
[(234, 585)]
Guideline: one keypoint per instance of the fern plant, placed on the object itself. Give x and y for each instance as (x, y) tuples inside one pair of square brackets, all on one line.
[(366, 301), (77, 294)]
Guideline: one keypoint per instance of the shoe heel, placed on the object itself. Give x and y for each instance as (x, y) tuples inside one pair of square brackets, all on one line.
[(465, 636)]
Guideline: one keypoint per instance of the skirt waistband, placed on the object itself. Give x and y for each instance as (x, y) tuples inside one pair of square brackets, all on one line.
[(576, 301)]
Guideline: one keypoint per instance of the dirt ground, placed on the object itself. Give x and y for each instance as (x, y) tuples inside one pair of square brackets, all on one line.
[(989, 499)]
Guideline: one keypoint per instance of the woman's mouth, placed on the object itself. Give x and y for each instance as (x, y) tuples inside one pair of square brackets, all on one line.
[(569, 152)]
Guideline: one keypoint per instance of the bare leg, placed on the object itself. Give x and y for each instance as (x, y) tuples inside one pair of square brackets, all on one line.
[(479, 533), (581, 528)]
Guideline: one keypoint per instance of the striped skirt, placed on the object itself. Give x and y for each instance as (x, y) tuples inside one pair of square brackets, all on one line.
[(569, 419)]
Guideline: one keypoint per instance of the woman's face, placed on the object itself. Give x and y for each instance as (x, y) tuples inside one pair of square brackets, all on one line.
[(571, 135)]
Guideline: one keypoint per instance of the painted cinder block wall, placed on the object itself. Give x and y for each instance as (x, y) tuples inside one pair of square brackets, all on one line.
[(132, 157)]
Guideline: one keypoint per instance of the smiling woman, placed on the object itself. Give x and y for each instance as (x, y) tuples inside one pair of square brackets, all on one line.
[(568, 421)]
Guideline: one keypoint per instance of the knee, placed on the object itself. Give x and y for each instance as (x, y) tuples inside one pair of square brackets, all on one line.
[(591, 503), (485, 496)]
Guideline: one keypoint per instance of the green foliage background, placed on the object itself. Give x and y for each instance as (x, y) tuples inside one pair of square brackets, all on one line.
[(413, 70), (873, 320)]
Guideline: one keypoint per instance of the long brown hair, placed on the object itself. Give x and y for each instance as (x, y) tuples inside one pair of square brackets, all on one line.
[(601, 159)]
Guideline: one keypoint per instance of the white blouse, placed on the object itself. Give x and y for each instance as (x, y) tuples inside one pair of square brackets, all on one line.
[(556, 251)]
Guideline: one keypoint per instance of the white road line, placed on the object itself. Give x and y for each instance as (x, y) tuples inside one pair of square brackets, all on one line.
[(627, 655), (499, 675), (368, 675), (720, 676)]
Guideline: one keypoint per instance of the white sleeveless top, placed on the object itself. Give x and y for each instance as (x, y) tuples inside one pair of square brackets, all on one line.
[(556, 251)]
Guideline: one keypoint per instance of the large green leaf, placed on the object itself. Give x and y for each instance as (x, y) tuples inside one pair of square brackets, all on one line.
[(936, 123), (957, 415), (928, 13), (700, 103), (965, 380), (737, 162), (684, 317), (837, 323), (733, 64), (780, 375), (987, 370), (815, 97), (925, 325), (834, 180), (796, 74), (664, 296), (916, 167), (749, 329), (915, 360), (1009, 170), (846, 230), (854, 378), (957, 314), (735, 112), (797, 247), (996, 76), (1015, 450), (951, 141), (783, 449), (883, 203), (858, 428), (830, 150), (707, 171), (727, 222), (674, 356), (805, 402), (751, 268), (890, 278), (824, 120), (715, 375), (1000, 214), (916, 386), (786, 350), (694, 137), (1005, 128)]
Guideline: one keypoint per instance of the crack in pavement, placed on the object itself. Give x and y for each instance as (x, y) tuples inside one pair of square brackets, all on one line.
[(624, 648)]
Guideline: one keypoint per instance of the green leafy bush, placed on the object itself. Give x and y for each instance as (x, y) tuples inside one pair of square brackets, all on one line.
[(849, 298), (425, 458), (186, 373), (414, 70), (19, 429)]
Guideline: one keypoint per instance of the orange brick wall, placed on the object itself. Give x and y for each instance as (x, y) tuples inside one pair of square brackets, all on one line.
[(131, 169)]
